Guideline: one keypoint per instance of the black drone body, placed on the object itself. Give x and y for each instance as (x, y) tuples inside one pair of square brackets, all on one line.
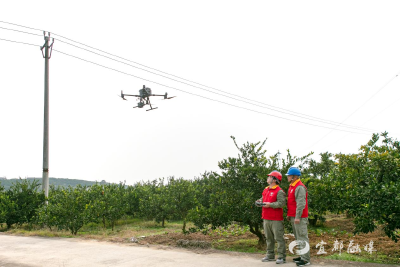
[(144, 97)]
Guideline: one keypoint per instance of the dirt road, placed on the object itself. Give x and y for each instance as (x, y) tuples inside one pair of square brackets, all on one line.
[(18, 251)]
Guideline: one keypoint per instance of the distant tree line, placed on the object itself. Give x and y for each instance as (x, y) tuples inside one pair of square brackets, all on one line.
[(365, 186), (64, 182)]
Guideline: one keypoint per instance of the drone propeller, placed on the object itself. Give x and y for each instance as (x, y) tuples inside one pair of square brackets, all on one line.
[(166, 96), (122, 95), (122, 98)]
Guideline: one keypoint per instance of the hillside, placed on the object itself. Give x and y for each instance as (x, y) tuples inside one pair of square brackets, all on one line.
[(65, 182)]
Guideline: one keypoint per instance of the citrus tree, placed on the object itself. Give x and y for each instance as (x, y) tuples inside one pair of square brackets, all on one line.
[(110, 202), (69, 208), (179, 199), (315, 176), (2, 205), (133, 195), (367, 185), (20, 203), (233, 192), (152, 202)]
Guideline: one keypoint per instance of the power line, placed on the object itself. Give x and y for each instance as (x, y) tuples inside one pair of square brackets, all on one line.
[(267, 106), (276, 109), (20, 25), (291, 113), (125, 73), (18, 42), (222, 102), (335, 124), (20, 31), (382, 87), (371, 118)]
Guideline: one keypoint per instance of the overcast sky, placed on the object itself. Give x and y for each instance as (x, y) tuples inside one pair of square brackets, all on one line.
[(332, 60)]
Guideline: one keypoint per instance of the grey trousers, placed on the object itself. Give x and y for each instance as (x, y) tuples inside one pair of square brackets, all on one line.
[(301, 234), (273, 231)]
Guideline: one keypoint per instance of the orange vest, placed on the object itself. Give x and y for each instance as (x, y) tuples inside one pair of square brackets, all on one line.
[(291, 202), (270, 195)]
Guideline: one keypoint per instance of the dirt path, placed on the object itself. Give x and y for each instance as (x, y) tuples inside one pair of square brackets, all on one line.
[(19, 251)]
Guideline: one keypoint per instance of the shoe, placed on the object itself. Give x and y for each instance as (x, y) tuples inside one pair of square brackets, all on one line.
[(265, 259), (303, 263), (297, 259), (280, 261)]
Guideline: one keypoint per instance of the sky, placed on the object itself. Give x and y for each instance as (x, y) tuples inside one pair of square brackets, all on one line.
[(335, 61)]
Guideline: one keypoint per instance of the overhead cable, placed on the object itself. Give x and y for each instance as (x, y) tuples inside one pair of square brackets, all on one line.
[(215, 100), (382, 87), (266, 106), (240, 100)]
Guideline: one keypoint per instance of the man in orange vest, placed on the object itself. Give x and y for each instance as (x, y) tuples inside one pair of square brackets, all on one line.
[(297, 213), (273, 199)]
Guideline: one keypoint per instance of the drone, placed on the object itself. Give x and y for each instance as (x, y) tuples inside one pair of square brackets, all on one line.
[(144, 97)]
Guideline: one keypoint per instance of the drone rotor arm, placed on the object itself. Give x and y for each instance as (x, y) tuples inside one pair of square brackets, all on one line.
[(131, 95)]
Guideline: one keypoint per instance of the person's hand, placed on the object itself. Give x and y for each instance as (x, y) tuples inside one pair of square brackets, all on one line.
[(296, 221), (266, 204)]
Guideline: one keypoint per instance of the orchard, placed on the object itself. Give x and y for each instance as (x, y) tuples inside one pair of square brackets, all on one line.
[(364, 186)]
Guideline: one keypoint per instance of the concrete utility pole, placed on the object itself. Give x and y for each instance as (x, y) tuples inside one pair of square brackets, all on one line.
[(46, 56)]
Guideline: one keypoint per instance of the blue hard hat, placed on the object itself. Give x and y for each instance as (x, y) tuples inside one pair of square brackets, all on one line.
[(294, 171)]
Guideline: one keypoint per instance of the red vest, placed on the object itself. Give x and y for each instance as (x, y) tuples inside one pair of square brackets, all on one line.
[(270, 195), (291, 202)]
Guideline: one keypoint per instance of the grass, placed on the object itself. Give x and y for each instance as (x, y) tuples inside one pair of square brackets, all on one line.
[(374, 258), (123, 227), (244, 245)]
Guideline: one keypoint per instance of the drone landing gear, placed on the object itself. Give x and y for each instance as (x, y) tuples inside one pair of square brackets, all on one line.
[(148, 103)]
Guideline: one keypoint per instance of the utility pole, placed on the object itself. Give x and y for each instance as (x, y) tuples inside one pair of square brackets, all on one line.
[(279, 159), (46, 56)]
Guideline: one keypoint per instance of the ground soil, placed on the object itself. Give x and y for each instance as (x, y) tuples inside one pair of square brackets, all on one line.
[(336, 228), (381, 243)]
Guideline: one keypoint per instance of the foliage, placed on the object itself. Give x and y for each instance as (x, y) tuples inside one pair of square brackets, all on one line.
[(315, 178), (69, 208), (172, 200), (2, 200), (364, 185), (180, 199), (152, 204), (133, 195), (109, 201), (20, 203), (319, 169), (367, 185), (233, 192)]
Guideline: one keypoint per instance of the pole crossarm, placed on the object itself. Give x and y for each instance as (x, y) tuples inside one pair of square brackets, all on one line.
[(46, 38)]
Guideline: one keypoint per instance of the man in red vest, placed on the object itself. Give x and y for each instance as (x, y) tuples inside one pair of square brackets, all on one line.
[(298, 214), (273, 199)]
